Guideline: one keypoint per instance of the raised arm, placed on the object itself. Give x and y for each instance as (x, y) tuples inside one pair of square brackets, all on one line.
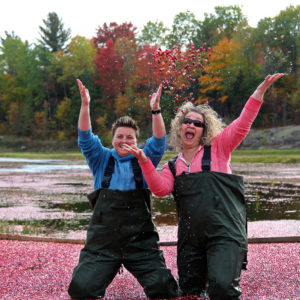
[(261, 89), (84, 121), (158, 125), (235, 132)]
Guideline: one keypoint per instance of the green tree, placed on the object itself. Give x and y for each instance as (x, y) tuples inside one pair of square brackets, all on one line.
[(278, 42), (153, 33), (184, 29), (53, 35), (66, 127), (21, 81), (226, 21), (78, 60)]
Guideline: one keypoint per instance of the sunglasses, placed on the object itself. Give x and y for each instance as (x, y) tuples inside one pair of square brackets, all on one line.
[(197, 123)]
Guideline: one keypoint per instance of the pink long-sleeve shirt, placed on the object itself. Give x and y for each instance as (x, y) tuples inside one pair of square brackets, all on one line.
[(222, 146)]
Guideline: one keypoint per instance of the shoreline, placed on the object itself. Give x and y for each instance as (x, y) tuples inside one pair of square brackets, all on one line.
[(281, 231)]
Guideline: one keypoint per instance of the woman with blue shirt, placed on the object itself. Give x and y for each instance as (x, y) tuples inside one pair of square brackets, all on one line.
[(121, 230)]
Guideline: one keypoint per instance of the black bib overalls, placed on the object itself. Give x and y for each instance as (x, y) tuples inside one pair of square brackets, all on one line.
[(212, 238), (121, 231)]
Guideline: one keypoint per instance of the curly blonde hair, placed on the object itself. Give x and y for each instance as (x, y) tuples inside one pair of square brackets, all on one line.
[(213, 124)]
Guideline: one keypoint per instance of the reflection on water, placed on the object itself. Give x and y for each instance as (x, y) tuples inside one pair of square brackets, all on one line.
[(27, 160), (78, 206), (264, 201), (37, 165), (273, 201), (52, 195), (42, 168)]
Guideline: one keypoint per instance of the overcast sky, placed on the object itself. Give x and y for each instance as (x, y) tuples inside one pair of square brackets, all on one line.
[(83, 17)]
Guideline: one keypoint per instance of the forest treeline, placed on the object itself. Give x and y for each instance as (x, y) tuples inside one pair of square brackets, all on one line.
[(219, 60)]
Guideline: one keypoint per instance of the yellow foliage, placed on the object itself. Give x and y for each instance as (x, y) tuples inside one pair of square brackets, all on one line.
[(202, 99), (223, 98), (63, 113), (216, 71), (122, 103), (101, 122), (78, 60), (61, 136)]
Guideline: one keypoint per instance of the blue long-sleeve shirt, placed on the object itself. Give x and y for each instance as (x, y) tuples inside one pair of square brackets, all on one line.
[(97, 157)]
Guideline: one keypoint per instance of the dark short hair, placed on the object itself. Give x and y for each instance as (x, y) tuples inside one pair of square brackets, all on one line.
[(125, 122)]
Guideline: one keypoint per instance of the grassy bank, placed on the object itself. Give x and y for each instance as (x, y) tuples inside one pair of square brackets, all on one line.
[(258, 156), (267, 156), (73, 155), (250, 156)]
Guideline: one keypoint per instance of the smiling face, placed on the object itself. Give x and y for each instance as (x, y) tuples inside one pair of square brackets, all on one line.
[(124, 135), (190, 134)]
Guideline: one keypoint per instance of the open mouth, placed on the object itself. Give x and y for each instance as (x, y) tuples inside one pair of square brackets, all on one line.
[(189, 135)]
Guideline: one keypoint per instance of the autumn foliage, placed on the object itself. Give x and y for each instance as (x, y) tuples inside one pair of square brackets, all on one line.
[(219, 61)]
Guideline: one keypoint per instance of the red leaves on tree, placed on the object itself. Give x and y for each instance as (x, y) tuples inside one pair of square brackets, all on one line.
[(147, 78), (113, 32), (109, 63), (109, 69)]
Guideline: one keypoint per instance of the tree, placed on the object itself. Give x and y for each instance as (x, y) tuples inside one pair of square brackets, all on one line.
[(113, 32), (226, 21), (115, 64), (220, 73), (279, 40), (21, 82), (146, 78), (44, 126), (63, 116), (78, 60), (184, 29), (53, 35), (153, 33), (110, 72), (287, 28)]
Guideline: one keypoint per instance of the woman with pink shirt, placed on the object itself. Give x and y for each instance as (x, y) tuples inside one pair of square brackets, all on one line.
[(212, 237)]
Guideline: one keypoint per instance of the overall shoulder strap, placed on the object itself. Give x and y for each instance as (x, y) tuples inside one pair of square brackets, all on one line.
[(137, 172), (206, 159), (171, 164), (110, 169), (108, 172)]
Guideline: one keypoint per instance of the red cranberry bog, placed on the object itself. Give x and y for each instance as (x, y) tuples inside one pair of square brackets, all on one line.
[(37, 259), (42, 270)]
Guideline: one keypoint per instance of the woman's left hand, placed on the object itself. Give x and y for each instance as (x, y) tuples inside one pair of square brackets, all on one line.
[(155, 99), (261, 89), (137, 152)]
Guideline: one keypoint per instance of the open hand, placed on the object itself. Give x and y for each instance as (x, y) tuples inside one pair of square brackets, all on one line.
[(84, 93), (137, 152), (155, 99), (261, 89)]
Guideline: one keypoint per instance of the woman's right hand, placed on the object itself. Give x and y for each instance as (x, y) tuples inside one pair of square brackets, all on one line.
[(84, 93), (262, 88), (137, 152), (155, 99)]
